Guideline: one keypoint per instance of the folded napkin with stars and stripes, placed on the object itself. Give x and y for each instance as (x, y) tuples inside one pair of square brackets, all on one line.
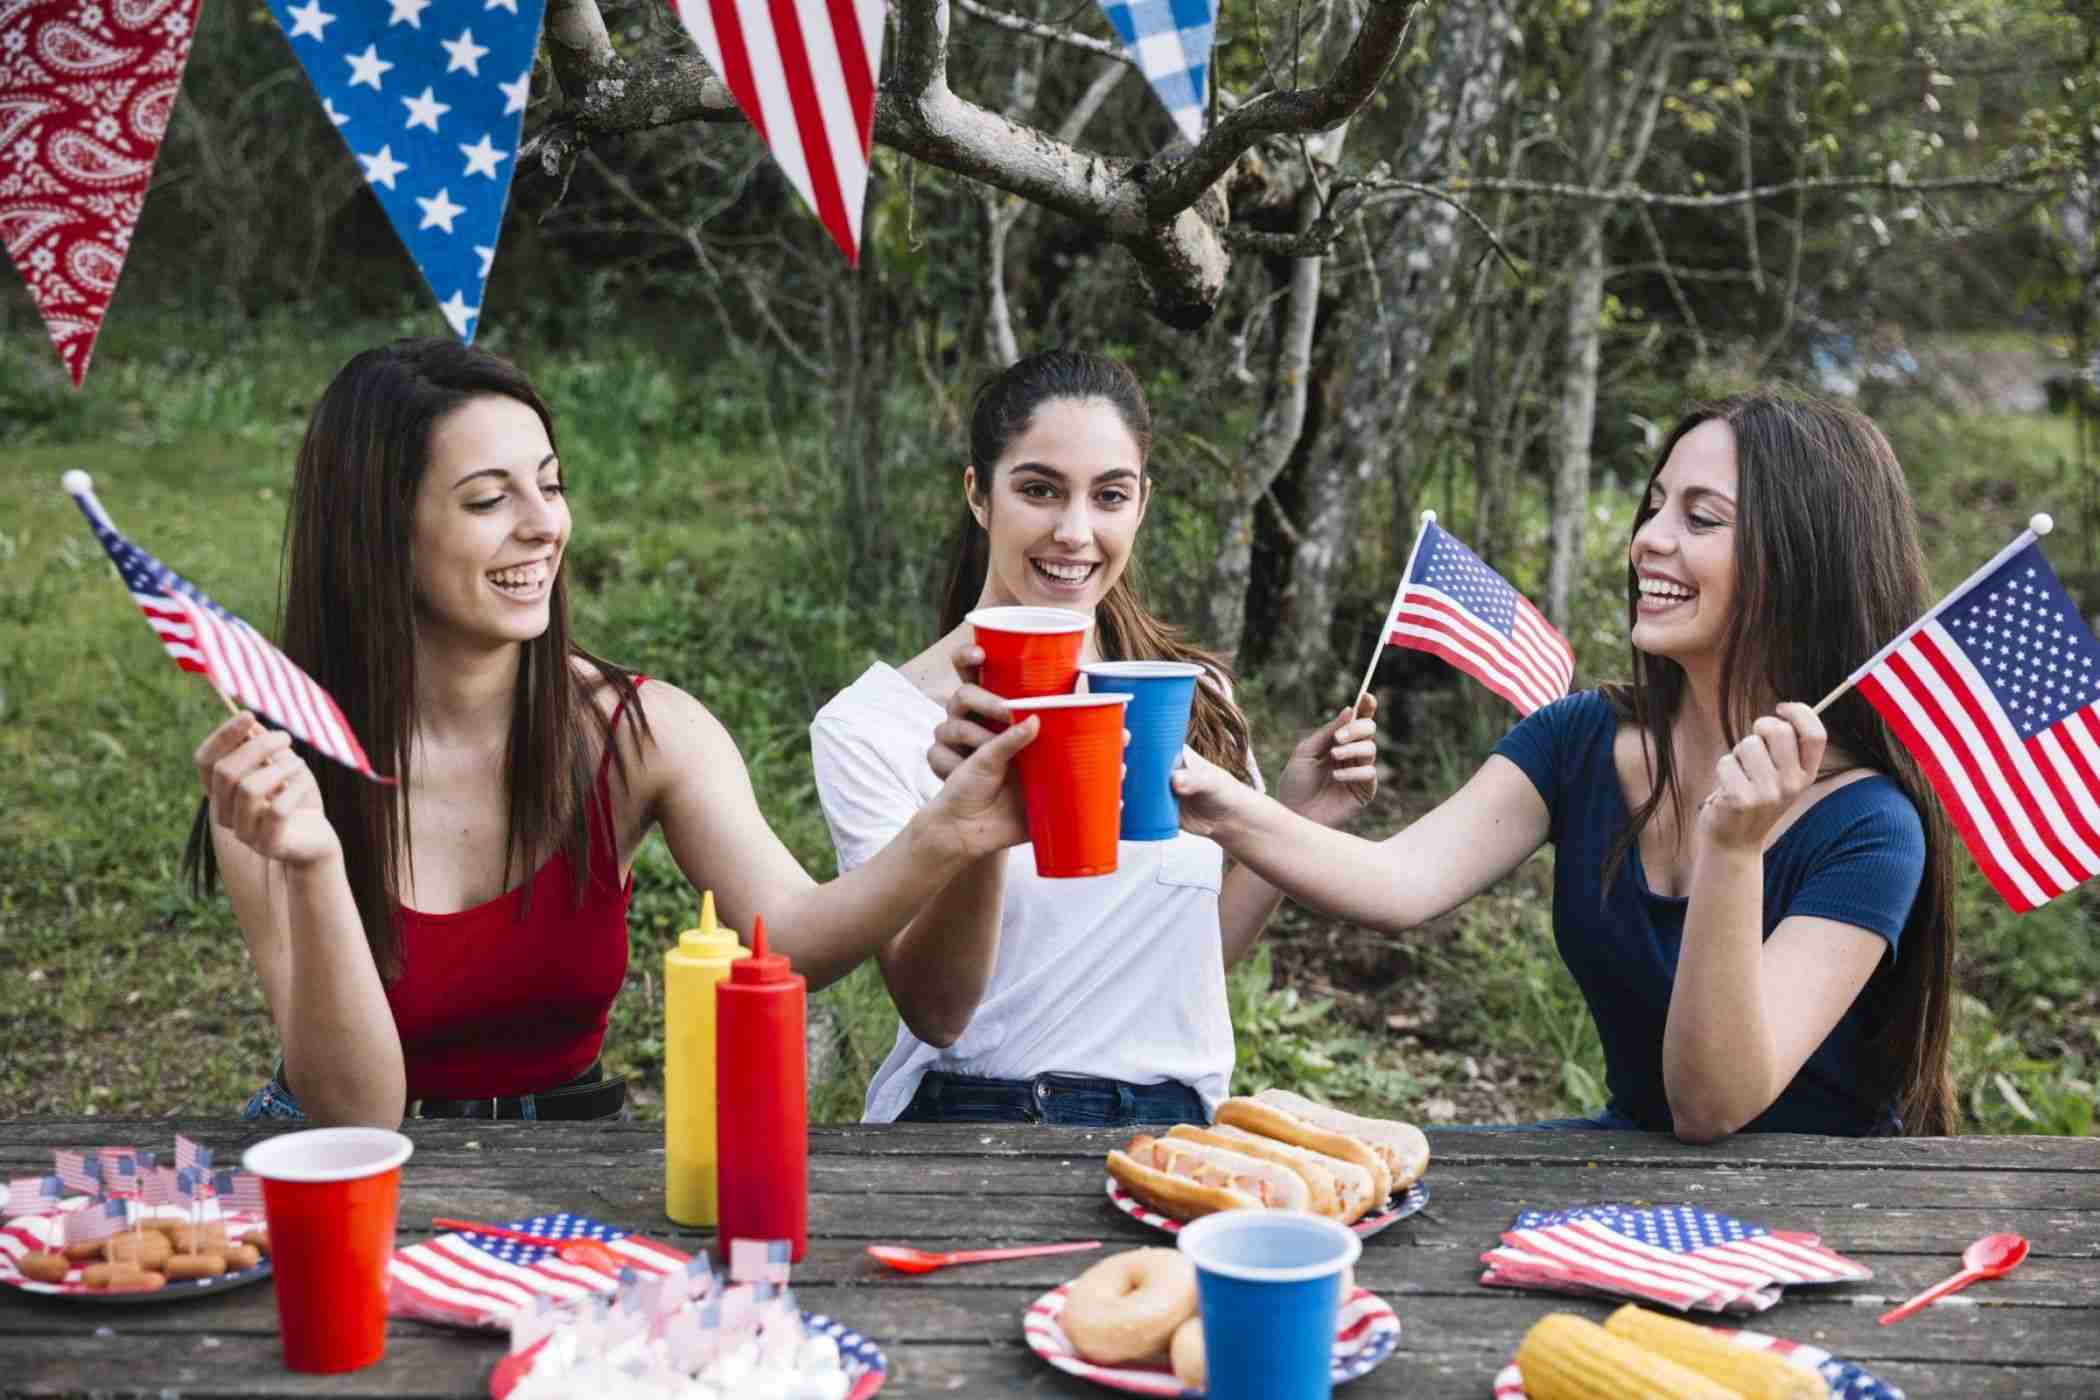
[(1678, 1256), (476, 1280)]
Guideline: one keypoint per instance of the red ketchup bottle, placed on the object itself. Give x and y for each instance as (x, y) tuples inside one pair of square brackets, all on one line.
[(762, 1098)]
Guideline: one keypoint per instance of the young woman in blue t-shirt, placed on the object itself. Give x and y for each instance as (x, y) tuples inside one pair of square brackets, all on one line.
[(1753, 900)]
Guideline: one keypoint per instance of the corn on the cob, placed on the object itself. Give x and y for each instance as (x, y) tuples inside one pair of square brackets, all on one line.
[(1565, 1357), (1759, 1375)]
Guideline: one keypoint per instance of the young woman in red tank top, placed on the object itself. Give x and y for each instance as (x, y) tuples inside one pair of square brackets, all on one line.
[(452, 946)]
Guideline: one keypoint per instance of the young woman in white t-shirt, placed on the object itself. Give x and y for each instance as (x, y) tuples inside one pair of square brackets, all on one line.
[(1094, 1001)]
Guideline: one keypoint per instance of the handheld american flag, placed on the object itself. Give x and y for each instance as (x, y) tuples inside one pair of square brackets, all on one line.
[(1996, 694), (1451, 605), (203, 637)]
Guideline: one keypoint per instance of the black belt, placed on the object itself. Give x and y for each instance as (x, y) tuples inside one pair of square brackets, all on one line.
[(588, 1095)]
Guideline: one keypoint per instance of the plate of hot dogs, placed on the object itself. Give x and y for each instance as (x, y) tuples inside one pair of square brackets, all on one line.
[(1275, 1150), (1131, 1322)]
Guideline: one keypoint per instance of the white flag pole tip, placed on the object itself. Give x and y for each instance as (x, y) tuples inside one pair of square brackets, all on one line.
[(2041, 524), (1428, 517), (77, 482)]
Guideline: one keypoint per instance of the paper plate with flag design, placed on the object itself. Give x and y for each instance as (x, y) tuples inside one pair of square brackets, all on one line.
[(1847, 1380), (24, 1234), (1365, 1332)]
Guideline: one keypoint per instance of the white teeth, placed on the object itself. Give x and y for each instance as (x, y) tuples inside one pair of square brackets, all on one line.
[(1656, 588), (527, 577), (1068, 573)]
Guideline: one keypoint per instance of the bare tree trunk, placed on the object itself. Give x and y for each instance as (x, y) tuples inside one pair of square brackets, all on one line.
[(1385, 336)]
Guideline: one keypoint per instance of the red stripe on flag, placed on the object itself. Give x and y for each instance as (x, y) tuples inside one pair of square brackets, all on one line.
[(809, 124), (1523, 672), (1480, 653), (854, 66), (736, 64)]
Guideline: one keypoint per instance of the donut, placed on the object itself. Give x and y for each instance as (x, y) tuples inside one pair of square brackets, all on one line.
[(1126, 1307), (1186, 1352), (43, 1266)]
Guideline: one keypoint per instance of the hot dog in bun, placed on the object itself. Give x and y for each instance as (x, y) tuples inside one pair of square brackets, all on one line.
[(1400, 1146), (1184, 1179), (1346, 1188)]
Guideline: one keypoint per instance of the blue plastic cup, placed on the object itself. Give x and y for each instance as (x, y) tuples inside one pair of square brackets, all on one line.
[(1157, 717), (1270, 1286)]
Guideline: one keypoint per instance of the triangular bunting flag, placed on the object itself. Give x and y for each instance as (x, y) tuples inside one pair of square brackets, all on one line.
[(429, 95), (1169, 41), (86, 89), (804, 74)]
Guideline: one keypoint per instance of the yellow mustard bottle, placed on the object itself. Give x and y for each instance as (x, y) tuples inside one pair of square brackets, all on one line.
[(692, 966)]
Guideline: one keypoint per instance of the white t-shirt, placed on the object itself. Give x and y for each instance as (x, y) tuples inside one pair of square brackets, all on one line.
[(1121, 975)]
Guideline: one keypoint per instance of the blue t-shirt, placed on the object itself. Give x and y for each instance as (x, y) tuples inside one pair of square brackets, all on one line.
[(1857, 856)]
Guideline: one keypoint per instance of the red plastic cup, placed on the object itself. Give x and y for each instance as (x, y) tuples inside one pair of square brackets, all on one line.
[(1029, 651), (330, 1197), (1072, 781)]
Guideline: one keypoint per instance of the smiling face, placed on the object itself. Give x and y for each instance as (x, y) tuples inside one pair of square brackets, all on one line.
[(490, 525), (1683, 551), (1062, 507)]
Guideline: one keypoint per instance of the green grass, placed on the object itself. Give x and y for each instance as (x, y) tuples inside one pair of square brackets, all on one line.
[(706, 554)]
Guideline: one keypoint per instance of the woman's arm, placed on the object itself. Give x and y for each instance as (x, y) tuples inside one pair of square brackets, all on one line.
[(1746, 1012), (282, 864), (700, 792), (1331, 774), (1473, 839)]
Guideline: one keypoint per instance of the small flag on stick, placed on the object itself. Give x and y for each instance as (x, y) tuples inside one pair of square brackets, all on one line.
[(239, 1190), (1451, 605), (79, 1171), (1996, 694), (203, 637), (34, 1195)]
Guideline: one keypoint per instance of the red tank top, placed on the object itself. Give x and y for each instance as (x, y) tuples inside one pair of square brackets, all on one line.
[(501, 999)]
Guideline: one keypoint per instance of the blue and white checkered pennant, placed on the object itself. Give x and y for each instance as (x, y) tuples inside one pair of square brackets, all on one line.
[(1169, 41), (429, 95)]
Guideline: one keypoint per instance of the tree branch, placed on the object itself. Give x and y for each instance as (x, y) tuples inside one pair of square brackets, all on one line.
[(2010, 181), (1085, 43)]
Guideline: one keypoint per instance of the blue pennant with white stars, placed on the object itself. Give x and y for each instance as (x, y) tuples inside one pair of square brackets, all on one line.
[(429, 95)]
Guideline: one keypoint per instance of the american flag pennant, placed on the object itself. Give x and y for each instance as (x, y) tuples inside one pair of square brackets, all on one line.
[(1453, 606), (430, 99), (803, 73), (239, 1190), (203, 637), (1170, 41), (80, 1171), (471, 1280), (1996, 694), (86, 91), (34, 1195)]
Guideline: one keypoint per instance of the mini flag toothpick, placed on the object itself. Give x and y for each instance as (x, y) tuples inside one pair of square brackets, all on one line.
[(804, 75), (86, 90), (33, 1195), (80, 1171), (1453, 606), (191, 1155), (1996, 694), (203, 637), (430, 99), (239, 1190), (1170, 42), (96, 1221)]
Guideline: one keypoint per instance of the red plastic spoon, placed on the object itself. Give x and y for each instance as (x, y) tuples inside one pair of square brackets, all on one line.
[(587, 1253), (905, 1259), (1986, 1258)]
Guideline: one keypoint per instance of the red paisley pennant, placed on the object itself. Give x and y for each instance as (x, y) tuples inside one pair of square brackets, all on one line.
[(86, 88)]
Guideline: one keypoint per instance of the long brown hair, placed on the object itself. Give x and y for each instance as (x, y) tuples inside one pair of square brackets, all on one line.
[(349, 621), (1125, 630), (1828, 568)]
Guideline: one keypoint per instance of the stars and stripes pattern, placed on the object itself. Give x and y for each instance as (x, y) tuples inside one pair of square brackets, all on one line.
[(429, 95), (1453, 606), (157, 1187), (201, 636), (1365, 1332), (78, 1171), (803, 73), (1681, 1257), (471, 1280), (1170, 41), (240, 1191), (1846, 1380), (33, 1195), (1996, 694), (97, 1220), (191, 1156)]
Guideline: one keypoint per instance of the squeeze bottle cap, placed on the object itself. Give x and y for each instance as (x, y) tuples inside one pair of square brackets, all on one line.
[(761, 966), (708, 940)]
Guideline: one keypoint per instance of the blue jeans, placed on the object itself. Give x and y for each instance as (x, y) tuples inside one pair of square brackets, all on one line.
[(1070, 1100)]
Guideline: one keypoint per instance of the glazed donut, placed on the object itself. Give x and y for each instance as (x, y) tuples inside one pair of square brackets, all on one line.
[(1186, 1352), (1126, 1307)]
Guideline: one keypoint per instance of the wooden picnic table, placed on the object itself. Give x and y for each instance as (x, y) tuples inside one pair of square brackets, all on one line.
[(1903, 1207)]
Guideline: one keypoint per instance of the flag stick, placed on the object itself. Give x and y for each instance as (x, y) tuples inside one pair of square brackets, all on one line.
[(2037, 526), (1384, 640)]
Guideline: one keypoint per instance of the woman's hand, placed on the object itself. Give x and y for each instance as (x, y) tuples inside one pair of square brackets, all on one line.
[(1208, 795), (264, 793), (981, 796), (1757, 780), (1333, 771)]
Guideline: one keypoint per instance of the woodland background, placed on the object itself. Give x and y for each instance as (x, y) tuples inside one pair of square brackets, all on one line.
[(1484, 273)]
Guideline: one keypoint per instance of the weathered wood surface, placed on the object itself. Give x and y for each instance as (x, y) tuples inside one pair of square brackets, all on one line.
[(1903, 1207)]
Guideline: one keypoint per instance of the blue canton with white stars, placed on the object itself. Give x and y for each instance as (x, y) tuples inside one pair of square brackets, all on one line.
[(1679, 1229), (2023, 634), (1446, 565), (429, 95)]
